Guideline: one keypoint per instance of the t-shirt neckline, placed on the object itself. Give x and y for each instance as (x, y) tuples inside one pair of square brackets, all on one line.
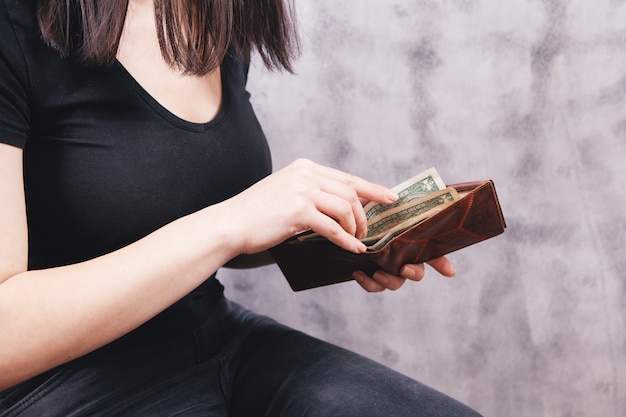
[(171, 117)]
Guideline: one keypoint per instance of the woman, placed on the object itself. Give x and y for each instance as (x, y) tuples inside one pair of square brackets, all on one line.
[(132, 167)]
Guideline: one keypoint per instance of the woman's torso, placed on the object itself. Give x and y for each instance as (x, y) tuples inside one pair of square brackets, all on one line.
[(105, 164)]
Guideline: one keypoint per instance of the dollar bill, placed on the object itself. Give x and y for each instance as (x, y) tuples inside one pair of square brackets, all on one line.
[(379, 243), (412, 189), (408, 214)]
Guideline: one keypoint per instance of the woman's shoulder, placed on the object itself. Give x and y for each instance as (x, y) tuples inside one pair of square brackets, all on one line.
[(21, 44), (18, 24), (19, 14)]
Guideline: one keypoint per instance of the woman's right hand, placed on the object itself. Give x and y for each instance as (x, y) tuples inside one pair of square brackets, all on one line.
[(303, 196)]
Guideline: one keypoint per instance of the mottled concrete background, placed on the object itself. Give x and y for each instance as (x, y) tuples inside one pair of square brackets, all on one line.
[(529, 93)]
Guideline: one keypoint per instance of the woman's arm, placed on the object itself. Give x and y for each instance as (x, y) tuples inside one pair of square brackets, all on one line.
[(51, 316)]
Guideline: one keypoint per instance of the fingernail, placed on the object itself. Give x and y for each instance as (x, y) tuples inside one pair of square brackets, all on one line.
[(452, 272), (391, 195), (408, 272)]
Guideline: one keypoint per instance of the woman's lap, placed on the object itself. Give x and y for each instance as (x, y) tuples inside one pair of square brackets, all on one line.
[(279, 372), (161, 379), (246, 364)]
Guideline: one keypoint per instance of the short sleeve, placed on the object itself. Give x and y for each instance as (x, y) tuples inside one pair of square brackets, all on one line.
[(14, 97)]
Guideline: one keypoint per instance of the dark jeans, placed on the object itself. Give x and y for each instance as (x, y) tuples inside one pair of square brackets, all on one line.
[(236, 364)]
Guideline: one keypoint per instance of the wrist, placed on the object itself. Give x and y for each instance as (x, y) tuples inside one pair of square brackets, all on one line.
[(217, 230)]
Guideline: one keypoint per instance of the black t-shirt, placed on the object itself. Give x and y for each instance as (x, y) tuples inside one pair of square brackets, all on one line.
[(104, 163)]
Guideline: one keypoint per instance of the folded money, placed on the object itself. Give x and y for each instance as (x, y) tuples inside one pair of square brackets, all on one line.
[(418, 198)]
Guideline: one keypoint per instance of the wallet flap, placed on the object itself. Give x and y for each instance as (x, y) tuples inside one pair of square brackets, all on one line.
[(475, 217), (314, 264)]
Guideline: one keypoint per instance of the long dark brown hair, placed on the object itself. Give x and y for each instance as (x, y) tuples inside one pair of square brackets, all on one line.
[(194, 35)]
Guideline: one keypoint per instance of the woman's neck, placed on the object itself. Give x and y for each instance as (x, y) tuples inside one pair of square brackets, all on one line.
[(192, 98)]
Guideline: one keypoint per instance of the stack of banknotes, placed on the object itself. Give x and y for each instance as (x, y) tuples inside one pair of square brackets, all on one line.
[(420, 197)]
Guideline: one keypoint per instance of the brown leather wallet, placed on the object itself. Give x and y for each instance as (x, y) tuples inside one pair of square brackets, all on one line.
[(477, 216)]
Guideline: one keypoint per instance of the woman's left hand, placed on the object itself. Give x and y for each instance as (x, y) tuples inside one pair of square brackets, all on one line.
[(381, 280)]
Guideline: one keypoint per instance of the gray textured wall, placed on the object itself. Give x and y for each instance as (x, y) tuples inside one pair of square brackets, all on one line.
[(529, 93)]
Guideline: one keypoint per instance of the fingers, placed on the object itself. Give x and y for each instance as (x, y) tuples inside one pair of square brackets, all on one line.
[(364, 189), (333, 231), (443, 266), (338, 195), (414, 272), (379, 281), (367, 282), (389, 281), (370, 191), (342, 203)]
